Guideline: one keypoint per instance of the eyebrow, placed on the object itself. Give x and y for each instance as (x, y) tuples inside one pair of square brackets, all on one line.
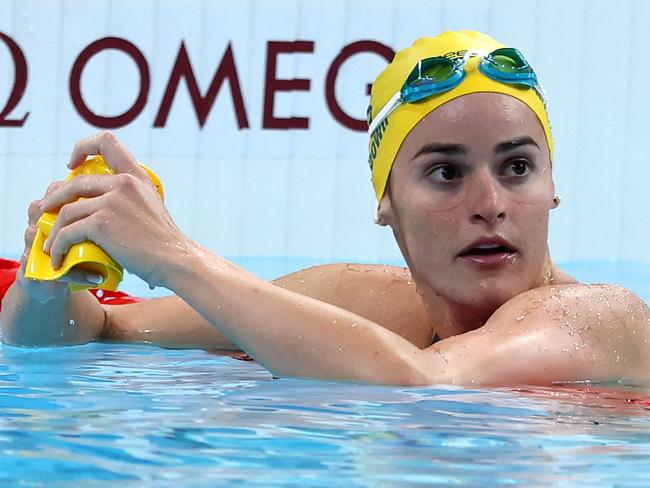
[(441, 148), (514, 144), (455, 149)]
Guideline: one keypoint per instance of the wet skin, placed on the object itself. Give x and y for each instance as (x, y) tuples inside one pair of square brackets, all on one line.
[(471, 217), (474, 173)]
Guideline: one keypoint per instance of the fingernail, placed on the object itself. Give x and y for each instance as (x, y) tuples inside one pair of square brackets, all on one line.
[(95, 279)]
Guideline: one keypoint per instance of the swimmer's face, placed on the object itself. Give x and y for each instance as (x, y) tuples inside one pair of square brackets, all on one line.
[(469, 199)]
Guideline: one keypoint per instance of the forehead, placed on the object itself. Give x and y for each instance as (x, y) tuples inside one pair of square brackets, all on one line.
[(484, 119)]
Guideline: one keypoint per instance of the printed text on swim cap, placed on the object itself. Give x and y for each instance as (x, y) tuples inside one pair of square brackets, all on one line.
[(375, 140)]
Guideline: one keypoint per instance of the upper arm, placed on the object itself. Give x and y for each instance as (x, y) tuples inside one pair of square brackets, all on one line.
[(556, 334)]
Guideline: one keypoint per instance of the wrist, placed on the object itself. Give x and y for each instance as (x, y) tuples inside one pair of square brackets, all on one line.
[(179, 259), (195, 267), (40, 291)]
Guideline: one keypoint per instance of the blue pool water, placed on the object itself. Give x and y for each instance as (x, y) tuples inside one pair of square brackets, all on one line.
[(132, 416)]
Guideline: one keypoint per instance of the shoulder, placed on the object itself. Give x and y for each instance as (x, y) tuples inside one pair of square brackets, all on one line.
[(346, 280), (602, 318), (384, 294), (568, 332), (612, 305), (586, 299), (350, 273)]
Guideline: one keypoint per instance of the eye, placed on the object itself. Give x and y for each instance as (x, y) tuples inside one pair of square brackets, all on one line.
[(517, 168), (444, 173)]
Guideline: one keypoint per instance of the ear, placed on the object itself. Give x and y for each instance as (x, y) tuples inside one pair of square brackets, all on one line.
[(555, 201), (384, 211)]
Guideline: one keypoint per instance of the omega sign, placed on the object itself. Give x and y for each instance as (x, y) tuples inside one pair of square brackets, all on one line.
[(225, 72)]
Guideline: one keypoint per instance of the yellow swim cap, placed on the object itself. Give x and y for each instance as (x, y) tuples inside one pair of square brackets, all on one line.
[(387, 138)]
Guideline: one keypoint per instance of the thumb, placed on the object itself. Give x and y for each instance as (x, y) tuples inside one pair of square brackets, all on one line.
[(82, 277), (116, 155)]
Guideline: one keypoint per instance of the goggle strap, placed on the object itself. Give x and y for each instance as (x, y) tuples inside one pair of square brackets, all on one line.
[(392, 104), (485, 66)]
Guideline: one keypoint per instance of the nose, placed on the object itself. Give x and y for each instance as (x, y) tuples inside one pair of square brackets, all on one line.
[(486, 201)]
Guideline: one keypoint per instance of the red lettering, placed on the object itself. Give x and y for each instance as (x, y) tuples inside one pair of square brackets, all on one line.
[(131, 50), (20, 83), (330, 81), (203, 104), (273, 84)]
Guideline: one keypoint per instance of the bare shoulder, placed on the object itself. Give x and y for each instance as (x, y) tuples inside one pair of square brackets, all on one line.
[(381, 293), (576, 300), (604, 319), (348, 275), (567, 332)]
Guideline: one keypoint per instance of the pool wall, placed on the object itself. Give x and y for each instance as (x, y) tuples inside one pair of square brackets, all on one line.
[(272, 168)]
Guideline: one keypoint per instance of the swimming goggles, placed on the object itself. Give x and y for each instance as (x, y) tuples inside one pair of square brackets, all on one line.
[(440, 74)]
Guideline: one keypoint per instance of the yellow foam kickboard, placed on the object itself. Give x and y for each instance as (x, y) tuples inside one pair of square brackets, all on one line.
[(86, 256)]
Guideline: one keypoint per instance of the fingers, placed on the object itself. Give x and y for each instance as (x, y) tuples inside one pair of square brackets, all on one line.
[(35, 211), (74, 233), (30, 233), (80, 276), (68, 215), (116, 155), (83, 186), (52, 187)]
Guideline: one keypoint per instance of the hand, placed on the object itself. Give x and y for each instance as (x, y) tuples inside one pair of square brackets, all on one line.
[(122, 213), (44, 291)]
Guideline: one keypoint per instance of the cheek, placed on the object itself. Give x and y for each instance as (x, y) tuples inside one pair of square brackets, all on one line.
[(429, 232)]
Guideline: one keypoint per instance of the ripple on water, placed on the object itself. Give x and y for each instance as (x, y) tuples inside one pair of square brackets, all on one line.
[(138, 414)]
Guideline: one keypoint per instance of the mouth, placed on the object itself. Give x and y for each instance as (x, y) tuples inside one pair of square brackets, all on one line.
[(489, 251)]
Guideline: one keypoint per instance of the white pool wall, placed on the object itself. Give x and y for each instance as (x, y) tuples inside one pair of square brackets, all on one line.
[(269, 192)]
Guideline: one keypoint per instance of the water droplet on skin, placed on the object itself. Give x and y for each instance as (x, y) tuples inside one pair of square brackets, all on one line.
[(353, 325), (334, 322), (520, 318), (300, 337), (340, 349)]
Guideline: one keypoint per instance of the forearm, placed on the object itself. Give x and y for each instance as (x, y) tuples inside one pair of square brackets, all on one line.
[(66, 318), (289, 333)]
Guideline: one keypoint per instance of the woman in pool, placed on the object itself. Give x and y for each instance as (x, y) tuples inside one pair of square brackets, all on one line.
[(461, 155)]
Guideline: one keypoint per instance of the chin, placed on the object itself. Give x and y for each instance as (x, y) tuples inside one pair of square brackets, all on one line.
[(487, 294)]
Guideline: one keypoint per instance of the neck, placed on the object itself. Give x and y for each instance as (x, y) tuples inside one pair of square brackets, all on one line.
[(453, 318)]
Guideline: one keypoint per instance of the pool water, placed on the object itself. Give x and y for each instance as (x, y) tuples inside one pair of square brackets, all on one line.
[(134, 415)]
